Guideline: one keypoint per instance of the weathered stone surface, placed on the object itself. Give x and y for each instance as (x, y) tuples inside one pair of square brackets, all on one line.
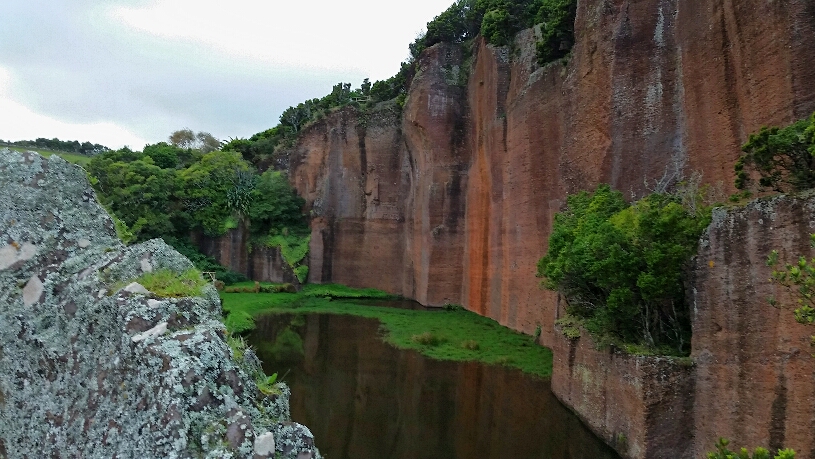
[(89, 370), (642, 406), (755, 376), (264, 264)]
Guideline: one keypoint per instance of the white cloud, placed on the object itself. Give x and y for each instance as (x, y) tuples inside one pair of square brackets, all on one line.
[(21, 123), (139, 69), (367, 36)]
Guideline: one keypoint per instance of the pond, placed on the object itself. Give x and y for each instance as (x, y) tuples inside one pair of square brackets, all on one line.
[(364, 399)]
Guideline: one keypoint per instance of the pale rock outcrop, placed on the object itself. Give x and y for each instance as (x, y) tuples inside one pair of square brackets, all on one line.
[(89, 369)]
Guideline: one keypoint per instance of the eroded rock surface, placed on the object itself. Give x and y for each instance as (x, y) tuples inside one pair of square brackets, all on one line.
[(91, 369)]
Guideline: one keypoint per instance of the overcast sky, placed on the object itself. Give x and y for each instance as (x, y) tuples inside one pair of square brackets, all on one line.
[(129, 72)]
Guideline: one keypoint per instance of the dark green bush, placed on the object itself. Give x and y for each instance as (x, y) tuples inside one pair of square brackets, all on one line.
[(619, 267), (783, 158)]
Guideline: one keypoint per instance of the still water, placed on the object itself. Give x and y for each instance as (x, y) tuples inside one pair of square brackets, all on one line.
[(364, 399)]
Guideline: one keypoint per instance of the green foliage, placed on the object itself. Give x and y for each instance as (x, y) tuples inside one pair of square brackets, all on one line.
[(301, 273), (722, 452), (499, 20), (239, 322), (783, 158), (569, 326), (799, 280), (557, 29), (122, 231), (204, 188), (293, 248), (164, 155), (137, 191), (428, 339), (496, 27), (267, 385), (168, 284), (56, 145), (341, 291), (238, 346), (275, 205), (620, 267)]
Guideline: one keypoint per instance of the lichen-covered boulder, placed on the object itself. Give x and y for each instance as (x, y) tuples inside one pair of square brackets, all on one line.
[(94, 364)]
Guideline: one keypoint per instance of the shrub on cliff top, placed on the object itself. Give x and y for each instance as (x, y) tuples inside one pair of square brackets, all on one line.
[(499, 20), (619, 267), (783, 158)]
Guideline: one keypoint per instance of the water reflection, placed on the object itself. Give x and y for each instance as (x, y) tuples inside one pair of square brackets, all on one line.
[(363, 399)]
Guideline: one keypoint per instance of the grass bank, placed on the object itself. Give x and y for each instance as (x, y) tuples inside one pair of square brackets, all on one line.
[(444, 334)]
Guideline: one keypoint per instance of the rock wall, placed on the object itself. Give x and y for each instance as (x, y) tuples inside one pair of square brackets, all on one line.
[(452, 201), (642, 406), (755, 377), (95, 365), (233, 250)]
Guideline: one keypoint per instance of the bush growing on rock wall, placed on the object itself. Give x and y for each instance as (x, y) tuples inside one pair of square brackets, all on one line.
[(499, 20), (799, 280), (722, 452), (783, 158), (619, 267)]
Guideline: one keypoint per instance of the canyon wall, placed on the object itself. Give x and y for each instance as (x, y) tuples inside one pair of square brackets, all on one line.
[(755, 377), (640, 405), (235, 251), (451, 198)]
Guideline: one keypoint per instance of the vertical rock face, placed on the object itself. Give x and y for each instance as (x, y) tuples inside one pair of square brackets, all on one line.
[(235, 251), (642, 406), (93, 364), (755, 379), (452, 201), (452, 198)]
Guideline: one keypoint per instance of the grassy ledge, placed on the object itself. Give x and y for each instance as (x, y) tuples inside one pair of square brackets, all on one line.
[(70, 157), (445, 334)]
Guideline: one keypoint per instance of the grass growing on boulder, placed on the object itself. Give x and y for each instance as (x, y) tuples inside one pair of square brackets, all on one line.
[(456, 334), (168, 284)]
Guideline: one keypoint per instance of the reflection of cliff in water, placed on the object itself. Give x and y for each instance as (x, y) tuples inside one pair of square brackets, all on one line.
[(364, 399)]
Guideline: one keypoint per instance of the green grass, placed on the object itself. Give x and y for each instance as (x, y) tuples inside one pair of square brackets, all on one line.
[(457, 335), (167, 284), (341, 291), (70, 157)]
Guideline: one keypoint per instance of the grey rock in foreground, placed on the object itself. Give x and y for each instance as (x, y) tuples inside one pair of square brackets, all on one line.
[(92, 366)]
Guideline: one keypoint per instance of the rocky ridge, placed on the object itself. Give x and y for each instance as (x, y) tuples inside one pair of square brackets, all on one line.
[(94, 365)]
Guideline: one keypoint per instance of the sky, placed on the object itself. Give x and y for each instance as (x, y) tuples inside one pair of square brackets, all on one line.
[(130, 72)]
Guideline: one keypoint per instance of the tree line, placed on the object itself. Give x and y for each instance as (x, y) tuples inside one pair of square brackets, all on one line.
[(67, 146), (172, 189), (497, 20)]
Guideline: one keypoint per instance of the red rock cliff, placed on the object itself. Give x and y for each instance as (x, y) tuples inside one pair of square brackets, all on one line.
[(452, 200)]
